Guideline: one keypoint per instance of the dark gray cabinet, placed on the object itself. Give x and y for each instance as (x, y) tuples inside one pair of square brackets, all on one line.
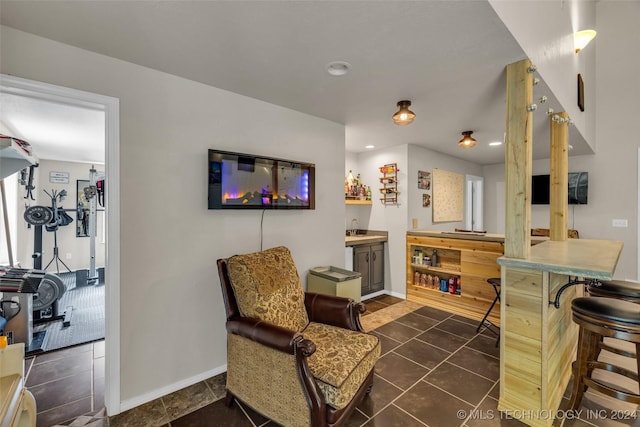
[(368, 260)]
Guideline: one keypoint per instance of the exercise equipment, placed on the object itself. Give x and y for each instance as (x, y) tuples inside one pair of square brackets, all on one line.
[(60, 218), (94, 194), (19, 289), (45, 305)]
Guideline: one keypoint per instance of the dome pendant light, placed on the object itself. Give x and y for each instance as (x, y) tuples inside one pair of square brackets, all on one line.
[(467, 141), (404, 116)]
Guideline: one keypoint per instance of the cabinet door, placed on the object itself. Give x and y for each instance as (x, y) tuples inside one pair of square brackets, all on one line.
[(377, 268), (361, 265)]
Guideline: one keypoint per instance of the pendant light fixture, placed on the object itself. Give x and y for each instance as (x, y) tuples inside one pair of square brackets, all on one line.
[(403, 116), (467, 140)]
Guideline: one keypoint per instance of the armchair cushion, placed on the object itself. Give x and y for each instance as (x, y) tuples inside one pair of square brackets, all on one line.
[(267, 287), (341, 362)]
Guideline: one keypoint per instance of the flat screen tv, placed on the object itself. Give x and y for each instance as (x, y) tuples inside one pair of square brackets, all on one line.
[(246, 181), (578, 189)]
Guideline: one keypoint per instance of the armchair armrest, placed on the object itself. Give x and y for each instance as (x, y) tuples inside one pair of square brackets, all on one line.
[(276, 337), (333, 310)]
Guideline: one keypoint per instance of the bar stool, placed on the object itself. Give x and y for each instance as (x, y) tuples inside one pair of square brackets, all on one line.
[(597, 318), (495, 282), (628, 290)]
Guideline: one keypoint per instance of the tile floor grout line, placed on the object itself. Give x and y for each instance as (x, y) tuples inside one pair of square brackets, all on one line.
[(59, 406), (424, 377)]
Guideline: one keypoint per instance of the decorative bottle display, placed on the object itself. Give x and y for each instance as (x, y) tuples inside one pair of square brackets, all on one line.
[(354, 188), (389, 181)]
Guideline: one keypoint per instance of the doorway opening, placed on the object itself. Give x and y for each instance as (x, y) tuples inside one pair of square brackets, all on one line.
[(474, 195), (55, 174)]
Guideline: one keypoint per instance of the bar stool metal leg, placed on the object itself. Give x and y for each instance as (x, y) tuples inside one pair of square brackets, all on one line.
[(495, 283)]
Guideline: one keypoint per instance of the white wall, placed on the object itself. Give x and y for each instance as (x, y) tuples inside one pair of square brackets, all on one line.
[(397, 219), (424, 159), (172, 314), (72, 250), (544, 30), (613, 171)]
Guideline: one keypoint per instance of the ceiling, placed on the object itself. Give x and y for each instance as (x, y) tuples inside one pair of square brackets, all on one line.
[(447, 57)]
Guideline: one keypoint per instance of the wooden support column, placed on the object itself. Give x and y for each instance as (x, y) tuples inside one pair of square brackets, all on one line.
[(518, 159), (559, 176)]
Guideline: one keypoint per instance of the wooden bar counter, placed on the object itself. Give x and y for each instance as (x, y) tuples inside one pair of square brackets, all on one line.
[(469, 256), (538, 341)]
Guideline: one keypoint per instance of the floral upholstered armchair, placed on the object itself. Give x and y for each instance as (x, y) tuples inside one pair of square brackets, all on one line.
[(298, 358)]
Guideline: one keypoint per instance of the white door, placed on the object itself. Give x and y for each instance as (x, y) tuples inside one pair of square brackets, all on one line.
[(474, 203)]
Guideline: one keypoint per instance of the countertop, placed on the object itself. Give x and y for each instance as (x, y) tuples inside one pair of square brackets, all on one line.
[(468, 235), (595, 259), (366, 237)]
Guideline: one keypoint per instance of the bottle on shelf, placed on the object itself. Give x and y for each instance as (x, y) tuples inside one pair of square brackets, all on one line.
[(434, 258)]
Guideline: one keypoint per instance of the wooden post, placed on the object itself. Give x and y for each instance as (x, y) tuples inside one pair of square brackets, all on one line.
[(518, 159), (559, 176)]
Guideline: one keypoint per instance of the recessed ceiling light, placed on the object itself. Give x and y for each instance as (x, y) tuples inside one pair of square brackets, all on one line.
[(495, 143), (369, 146), (338, 68)]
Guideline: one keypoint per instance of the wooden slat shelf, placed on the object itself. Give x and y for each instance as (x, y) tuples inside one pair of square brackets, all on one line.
[(357, 202)]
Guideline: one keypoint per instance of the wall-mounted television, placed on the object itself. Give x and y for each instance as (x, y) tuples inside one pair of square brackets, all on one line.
[(246, 181), (578, 189)]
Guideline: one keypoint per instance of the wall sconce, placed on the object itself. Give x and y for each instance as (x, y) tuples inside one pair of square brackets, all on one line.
[(467, 140), (582, 38), (403, 116)]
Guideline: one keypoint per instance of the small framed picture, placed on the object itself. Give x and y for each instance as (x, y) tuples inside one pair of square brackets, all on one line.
[(426, 200), (424, 180)]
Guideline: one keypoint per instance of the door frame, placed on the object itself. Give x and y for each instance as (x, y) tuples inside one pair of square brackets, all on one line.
[(111, 108)]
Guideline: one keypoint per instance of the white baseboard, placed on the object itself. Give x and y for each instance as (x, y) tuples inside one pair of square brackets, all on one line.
[(158, 393), (384, 292)]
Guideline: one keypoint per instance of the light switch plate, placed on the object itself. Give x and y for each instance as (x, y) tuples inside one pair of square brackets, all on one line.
[(620, 223)]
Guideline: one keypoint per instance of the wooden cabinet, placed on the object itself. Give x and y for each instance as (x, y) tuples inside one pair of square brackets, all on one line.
[(368, 260), (471, 262)]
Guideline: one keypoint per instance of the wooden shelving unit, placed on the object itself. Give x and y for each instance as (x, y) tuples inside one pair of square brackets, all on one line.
[(389, 182), (473, 262)]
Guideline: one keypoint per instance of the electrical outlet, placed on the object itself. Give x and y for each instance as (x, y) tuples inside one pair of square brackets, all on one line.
[(620, 223)]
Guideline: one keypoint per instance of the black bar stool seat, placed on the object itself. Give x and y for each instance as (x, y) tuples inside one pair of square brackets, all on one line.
[(622, 289), (598, 318), (495, 282)]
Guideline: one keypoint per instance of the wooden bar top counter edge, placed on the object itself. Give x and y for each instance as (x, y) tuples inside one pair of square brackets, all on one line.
[(595, 259)]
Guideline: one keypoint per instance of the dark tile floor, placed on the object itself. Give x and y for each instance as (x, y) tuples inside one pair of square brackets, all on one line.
[(435, 370), (67, 383)]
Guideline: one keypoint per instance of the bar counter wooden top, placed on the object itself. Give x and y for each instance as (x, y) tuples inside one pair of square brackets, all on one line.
[(574, 257)]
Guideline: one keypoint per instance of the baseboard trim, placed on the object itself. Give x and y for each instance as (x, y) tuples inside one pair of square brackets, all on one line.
[(166, 390)]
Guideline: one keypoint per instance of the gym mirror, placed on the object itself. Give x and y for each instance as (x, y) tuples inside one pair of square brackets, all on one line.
[(82, 209)]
